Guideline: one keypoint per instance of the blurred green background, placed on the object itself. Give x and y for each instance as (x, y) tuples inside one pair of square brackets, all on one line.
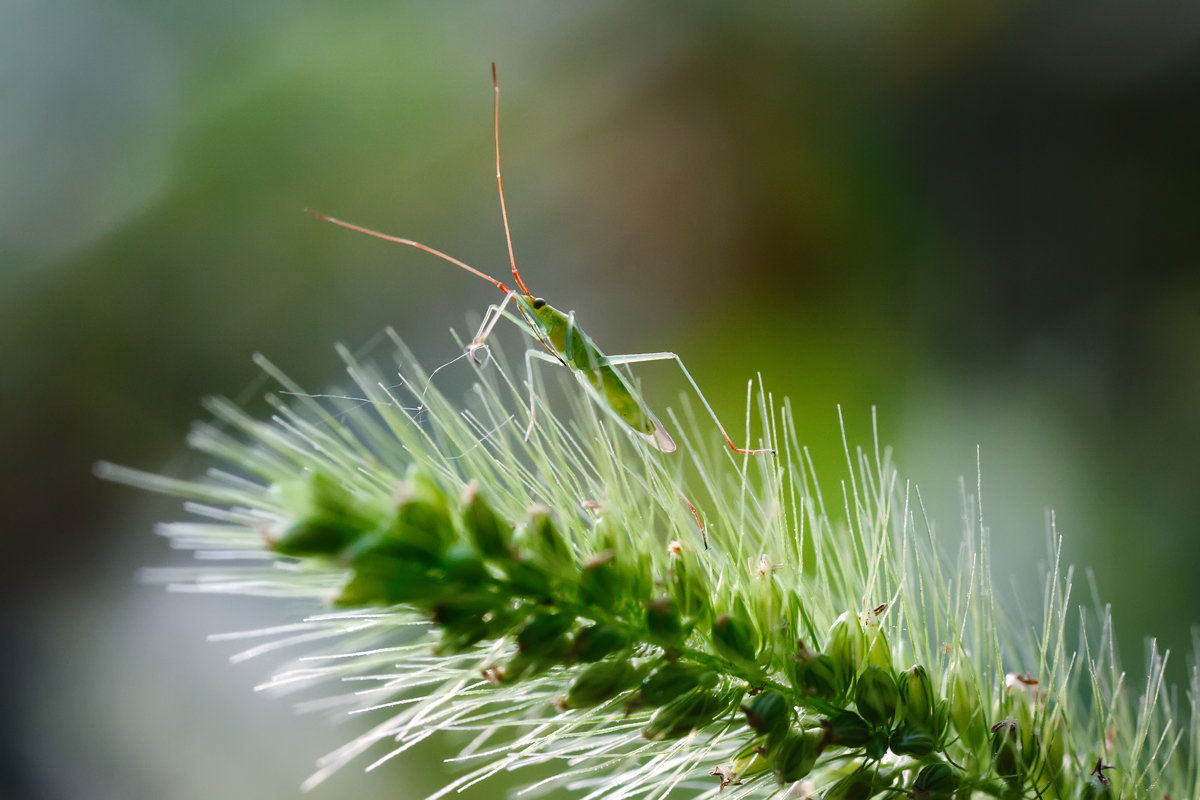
[(979, 218)]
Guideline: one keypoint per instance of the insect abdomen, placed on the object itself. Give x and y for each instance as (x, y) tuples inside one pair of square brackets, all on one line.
[(619, 398)]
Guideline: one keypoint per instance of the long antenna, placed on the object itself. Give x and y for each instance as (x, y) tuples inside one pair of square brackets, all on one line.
[(500, 182), (401, 240)]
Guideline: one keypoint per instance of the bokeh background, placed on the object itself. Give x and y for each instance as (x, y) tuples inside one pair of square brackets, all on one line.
[(979, 218)]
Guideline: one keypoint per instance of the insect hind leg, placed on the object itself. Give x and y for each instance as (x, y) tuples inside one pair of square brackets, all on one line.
[(638, 358)]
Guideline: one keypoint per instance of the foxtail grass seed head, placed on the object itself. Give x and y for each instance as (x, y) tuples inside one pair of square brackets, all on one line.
[(735, 639), (673, 679), (600, 583), (545, 635), (909, 740), (328, 518), (861, 784), (696, 709), (489, 533), (664, 625), (1006, 753), (541, 539), (916, 696), (796, 756), (847, 648), (768, 713), (598, 640), (879, 649), (466, 578), (876, 696), (937, 781), (600, 682), (877, 744), (817, 678), (689, 585), (846, 729)]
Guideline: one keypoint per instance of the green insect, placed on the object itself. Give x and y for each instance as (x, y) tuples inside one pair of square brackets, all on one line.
[(563, 341)]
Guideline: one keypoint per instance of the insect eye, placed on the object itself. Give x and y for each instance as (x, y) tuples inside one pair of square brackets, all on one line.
[(538, 303)]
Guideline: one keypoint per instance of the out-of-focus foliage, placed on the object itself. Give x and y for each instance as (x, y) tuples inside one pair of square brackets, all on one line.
[(979, 219)]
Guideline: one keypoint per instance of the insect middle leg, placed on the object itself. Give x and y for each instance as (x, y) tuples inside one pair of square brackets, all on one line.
[(490, 318), (638, 358), (540, 355)]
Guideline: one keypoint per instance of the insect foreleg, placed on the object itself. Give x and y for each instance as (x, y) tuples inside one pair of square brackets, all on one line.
[(637, 358), (581, 377)]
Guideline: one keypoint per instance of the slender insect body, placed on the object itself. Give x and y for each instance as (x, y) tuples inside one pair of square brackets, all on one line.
[(563, 342), (575, 349)]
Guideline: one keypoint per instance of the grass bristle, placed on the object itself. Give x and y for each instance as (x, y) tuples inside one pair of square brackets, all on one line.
[(848, 545)]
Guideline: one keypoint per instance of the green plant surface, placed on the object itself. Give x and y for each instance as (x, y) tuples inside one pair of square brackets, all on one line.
[(551, 601)]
